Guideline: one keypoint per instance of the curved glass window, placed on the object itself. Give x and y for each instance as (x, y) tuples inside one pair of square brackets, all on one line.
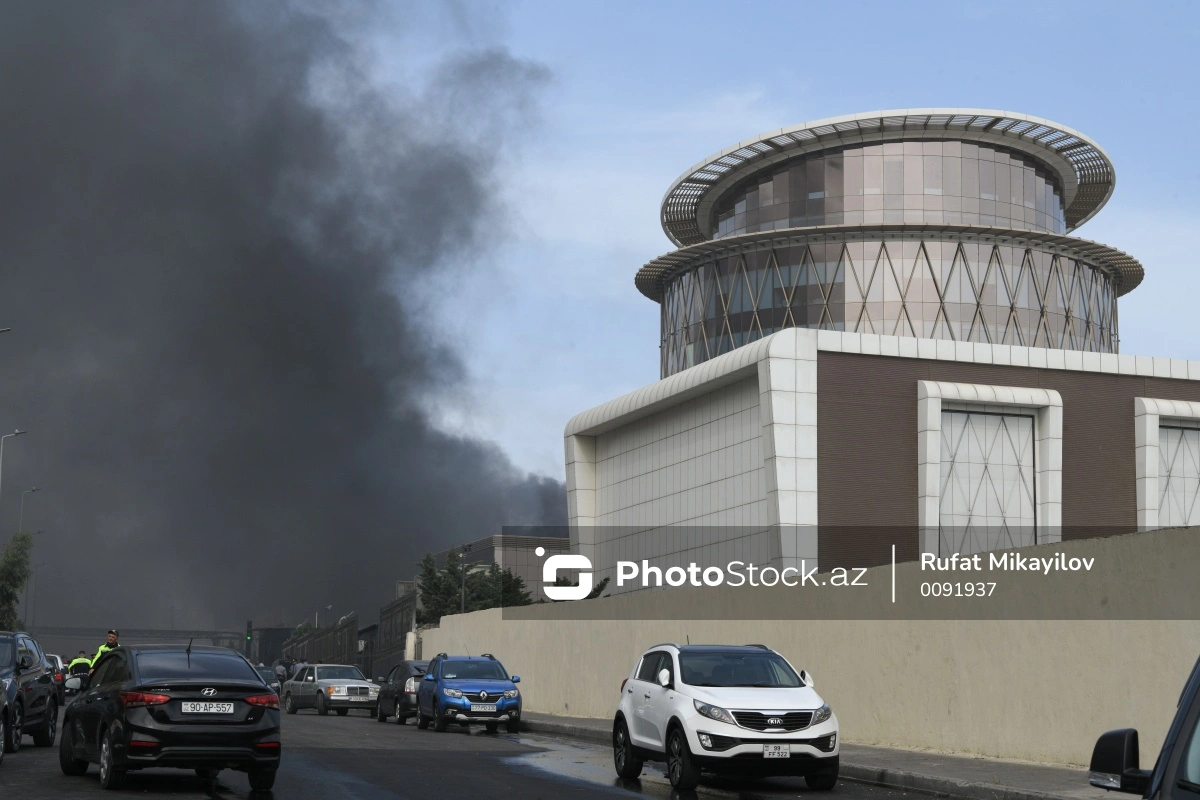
[(965, 291), (955, 183)]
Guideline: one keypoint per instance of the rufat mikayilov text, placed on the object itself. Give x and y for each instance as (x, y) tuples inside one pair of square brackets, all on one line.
[(1006, 562)]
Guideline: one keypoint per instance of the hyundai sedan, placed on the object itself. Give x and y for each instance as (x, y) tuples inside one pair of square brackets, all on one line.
[(201, 708)]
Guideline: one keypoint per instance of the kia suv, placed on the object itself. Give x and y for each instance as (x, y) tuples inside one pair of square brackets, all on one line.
[(30, 707), (463, 689), (731, 709)]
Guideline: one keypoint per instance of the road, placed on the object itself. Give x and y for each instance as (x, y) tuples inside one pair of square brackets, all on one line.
[(357, 758)]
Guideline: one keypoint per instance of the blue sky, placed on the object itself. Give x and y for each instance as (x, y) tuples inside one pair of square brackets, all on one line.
[(642, 91)]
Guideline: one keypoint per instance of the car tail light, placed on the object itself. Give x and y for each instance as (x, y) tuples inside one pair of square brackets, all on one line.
[(268, 746), (410, 686), (264, 700), (58, 676), (139, 699)]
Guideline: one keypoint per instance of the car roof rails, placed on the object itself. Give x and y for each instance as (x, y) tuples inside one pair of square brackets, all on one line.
[(488, 655), (441, 655), (759, 646), (664, 644)]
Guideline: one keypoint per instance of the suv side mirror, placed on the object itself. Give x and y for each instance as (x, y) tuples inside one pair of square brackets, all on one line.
[(381, 680), (516, 678), (429, 676), (74, 683), (664, 678), (1115, 763), (806, 678)]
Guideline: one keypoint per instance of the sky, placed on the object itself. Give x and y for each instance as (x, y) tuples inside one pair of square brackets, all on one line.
[(552, 324), (331, 276)]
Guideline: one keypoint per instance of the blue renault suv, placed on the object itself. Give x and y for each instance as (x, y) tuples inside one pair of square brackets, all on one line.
[(466, 689)]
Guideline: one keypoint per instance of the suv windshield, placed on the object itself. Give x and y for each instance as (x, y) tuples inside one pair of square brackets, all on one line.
[(476, 670), (178, 664), (339, 674), (763, 669)]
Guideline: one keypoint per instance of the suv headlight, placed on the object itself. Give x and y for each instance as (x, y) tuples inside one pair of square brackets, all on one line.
[(821, 714), (511, 693), (712, 712), (451, 692)]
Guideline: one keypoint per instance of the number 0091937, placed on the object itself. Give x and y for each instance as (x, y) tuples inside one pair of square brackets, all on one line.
[(948, 589)]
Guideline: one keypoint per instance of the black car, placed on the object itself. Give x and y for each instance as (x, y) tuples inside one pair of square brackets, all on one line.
[(1176, 773), (269, 678), (201, 708), (398, 691), (31, 696)]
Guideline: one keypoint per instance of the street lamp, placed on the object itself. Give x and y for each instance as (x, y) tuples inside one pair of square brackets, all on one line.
[(317, 615), (17, 432), (21, 522)]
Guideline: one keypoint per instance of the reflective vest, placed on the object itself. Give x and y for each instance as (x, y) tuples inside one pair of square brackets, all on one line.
[(104, 648), (80, 660)]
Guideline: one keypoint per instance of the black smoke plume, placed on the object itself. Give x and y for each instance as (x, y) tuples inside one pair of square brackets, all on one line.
[(222, 246)]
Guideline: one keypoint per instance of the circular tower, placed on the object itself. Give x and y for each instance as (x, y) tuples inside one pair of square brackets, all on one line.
[(930, 223)]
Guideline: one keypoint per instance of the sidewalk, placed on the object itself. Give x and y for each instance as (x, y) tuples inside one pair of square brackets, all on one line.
[(969, 777)]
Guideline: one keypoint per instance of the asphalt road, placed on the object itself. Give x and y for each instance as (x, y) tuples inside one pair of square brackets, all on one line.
[(357, 758)]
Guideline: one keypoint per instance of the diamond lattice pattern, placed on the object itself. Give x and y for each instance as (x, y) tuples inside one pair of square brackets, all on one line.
[(1178, 476), (966, 291), (987, 497)]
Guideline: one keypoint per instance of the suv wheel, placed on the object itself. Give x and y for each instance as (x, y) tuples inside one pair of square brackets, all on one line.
[(681, 767), (513, 726), (12, 731), (45, 737), (627, 764), (824, 781), (422, 720), (380, 714), (261, 780), (439, 719)]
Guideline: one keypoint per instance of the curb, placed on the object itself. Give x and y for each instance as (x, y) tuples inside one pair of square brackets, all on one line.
[(859, 773)]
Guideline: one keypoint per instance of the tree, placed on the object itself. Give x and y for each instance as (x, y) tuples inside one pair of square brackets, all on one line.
[(14, 573), (592, 595), (445, 591), (302, 629)]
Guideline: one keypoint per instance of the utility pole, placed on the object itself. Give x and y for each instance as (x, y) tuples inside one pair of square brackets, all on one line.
[(462, 564)]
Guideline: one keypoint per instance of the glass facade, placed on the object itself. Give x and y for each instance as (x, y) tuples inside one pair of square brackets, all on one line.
[(913, 182), (1179, 475), (967, 291), (987, 482)]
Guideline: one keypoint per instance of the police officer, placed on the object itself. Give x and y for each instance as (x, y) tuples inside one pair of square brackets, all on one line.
[(110, 644), (80, 660)]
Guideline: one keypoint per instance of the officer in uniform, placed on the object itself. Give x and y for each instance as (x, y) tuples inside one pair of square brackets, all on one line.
[(110, 644), (80, 660)]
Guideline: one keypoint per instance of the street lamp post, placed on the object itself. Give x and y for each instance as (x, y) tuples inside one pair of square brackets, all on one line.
[(17, 432), (462, 564), (21, 522), (317, 616)]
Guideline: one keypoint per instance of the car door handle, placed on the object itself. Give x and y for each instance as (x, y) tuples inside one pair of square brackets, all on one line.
[(646, 696)]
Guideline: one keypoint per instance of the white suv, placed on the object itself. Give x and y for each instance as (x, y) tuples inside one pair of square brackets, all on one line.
[(723, 709)]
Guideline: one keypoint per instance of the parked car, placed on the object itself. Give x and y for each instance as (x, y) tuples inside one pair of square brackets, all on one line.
[(329, 686), (270, 679), (467, 689), (187, 707), (60, 675), (1176, 773), (398, 691), (27, 680), (723, 709)]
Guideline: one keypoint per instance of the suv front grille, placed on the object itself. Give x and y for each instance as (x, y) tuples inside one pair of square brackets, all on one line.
[(757, 720), (357, 690), (492, 697)]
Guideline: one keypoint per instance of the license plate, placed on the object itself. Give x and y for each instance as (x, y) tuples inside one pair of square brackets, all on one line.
[(360, 699), (208, 708), (482, 708), (777, 751)]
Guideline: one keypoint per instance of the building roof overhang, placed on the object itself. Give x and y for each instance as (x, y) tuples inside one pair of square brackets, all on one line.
[(1125, 271), (1083, 169)]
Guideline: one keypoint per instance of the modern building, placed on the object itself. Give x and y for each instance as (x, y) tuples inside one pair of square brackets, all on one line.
[(878, 330)]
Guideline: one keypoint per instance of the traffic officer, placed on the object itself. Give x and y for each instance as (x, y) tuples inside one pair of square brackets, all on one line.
[(80, 660), (110, 644)]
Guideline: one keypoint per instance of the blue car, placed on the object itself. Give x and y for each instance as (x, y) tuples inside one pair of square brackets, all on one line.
[(466, 689)]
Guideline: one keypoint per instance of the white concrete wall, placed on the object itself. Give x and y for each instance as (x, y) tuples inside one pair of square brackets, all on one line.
[(1018, 687)]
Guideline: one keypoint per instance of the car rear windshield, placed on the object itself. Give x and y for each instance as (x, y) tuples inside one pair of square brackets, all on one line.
[(178, 664), (339, 674), (767, 670), (474, 670), (267, 674)]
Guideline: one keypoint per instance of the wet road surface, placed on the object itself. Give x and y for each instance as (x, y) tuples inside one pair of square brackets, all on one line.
[(357, 758)]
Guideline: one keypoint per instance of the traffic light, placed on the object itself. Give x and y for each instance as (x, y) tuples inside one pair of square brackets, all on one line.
[(249, 635)]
